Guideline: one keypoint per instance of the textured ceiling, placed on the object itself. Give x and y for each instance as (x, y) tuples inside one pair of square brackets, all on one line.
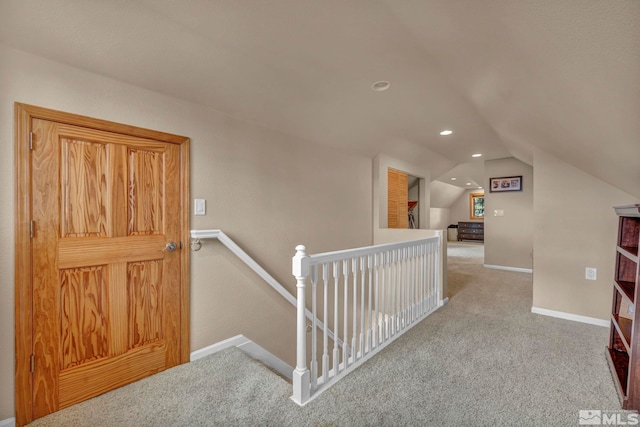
[(505, 75)]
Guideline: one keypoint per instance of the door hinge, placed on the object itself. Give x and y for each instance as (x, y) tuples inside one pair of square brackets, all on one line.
[(32, 363), (31, 228), (30, 140)]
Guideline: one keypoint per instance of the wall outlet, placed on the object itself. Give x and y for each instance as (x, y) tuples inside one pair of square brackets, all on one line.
[(591, 273)]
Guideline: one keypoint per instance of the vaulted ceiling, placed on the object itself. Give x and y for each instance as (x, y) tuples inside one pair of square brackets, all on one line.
[(505, 75)]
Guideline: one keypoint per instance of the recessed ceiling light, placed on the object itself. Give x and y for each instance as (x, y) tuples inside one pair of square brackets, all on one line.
[(381, 85), (453, 179), (476, 155), (480, 188), (446, 132), (468, 183)]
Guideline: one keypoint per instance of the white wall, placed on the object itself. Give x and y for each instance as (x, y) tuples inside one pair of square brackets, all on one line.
[(439, 219), (575, 227), (381, 164), (267, 190), (508, 240), (444, 195), (461, 210)]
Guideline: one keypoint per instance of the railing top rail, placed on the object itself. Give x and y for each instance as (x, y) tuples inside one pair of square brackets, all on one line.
[(367, 250)]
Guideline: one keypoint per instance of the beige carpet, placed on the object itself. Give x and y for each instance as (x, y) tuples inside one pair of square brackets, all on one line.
[(482, 360), (466, 250)]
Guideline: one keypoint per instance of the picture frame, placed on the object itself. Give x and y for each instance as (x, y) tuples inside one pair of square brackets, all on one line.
[(505, 183)]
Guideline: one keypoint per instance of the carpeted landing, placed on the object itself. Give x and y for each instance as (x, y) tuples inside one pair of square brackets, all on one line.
[(482, 360)]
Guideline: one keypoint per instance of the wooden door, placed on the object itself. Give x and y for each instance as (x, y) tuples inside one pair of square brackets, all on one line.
[(107, 292)]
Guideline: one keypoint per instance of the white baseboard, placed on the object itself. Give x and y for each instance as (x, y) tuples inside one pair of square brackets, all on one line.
[(259, 353), (236, 341), (252, 349), (9, 422), (570, 316), (501, 267)]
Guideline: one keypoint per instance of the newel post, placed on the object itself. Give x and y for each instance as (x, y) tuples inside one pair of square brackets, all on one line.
[(301, 384)]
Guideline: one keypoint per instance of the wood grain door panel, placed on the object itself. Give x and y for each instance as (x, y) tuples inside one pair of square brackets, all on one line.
[(107, 296)]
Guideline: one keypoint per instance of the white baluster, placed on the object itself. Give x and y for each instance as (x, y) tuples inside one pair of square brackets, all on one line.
[(416, 281), (408, 287), (362, 307), (376, 330), (386, 287), (432, 269), (369, 312), (419, 280), (325, 319), (422, 277), (354, 341), (394, 284), (405, 287), (399, 290), (345, 318), (336, 325), (314, 326), (436, 274), (426, 277), (435, 269), (301, 385), (387, 295), (394, 291), (414, 278)]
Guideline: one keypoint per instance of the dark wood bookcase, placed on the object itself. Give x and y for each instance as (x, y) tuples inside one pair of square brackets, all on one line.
[(623, 350)]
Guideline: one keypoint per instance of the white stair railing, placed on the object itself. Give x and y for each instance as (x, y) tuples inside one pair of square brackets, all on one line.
[(368, 297), (198, 235)]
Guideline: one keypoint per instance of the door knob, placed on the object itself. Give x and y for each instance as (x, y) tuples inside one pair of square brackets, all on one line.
[(171, 246)]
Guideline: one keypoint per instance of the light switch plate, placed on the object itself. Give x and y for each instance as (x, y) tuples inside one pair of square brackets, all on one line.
[(200, 207), (591, 273), (498, 212)]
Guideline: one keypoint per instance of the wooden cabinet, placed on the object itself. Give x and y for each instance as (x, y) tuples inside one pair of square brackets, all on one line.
[(623, 350), (471, 231)]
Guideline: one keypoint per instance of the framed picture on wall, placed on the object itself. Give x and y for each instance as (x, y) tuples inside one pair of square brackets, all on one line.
[(505, 183)]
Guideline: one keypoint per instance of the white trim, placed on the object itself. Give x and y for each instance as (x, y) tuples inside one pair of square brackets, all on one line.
[(9, 422), (501, 267), (570, 316), (236, 341), (369, 250), (268, 358), (248, 347)]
